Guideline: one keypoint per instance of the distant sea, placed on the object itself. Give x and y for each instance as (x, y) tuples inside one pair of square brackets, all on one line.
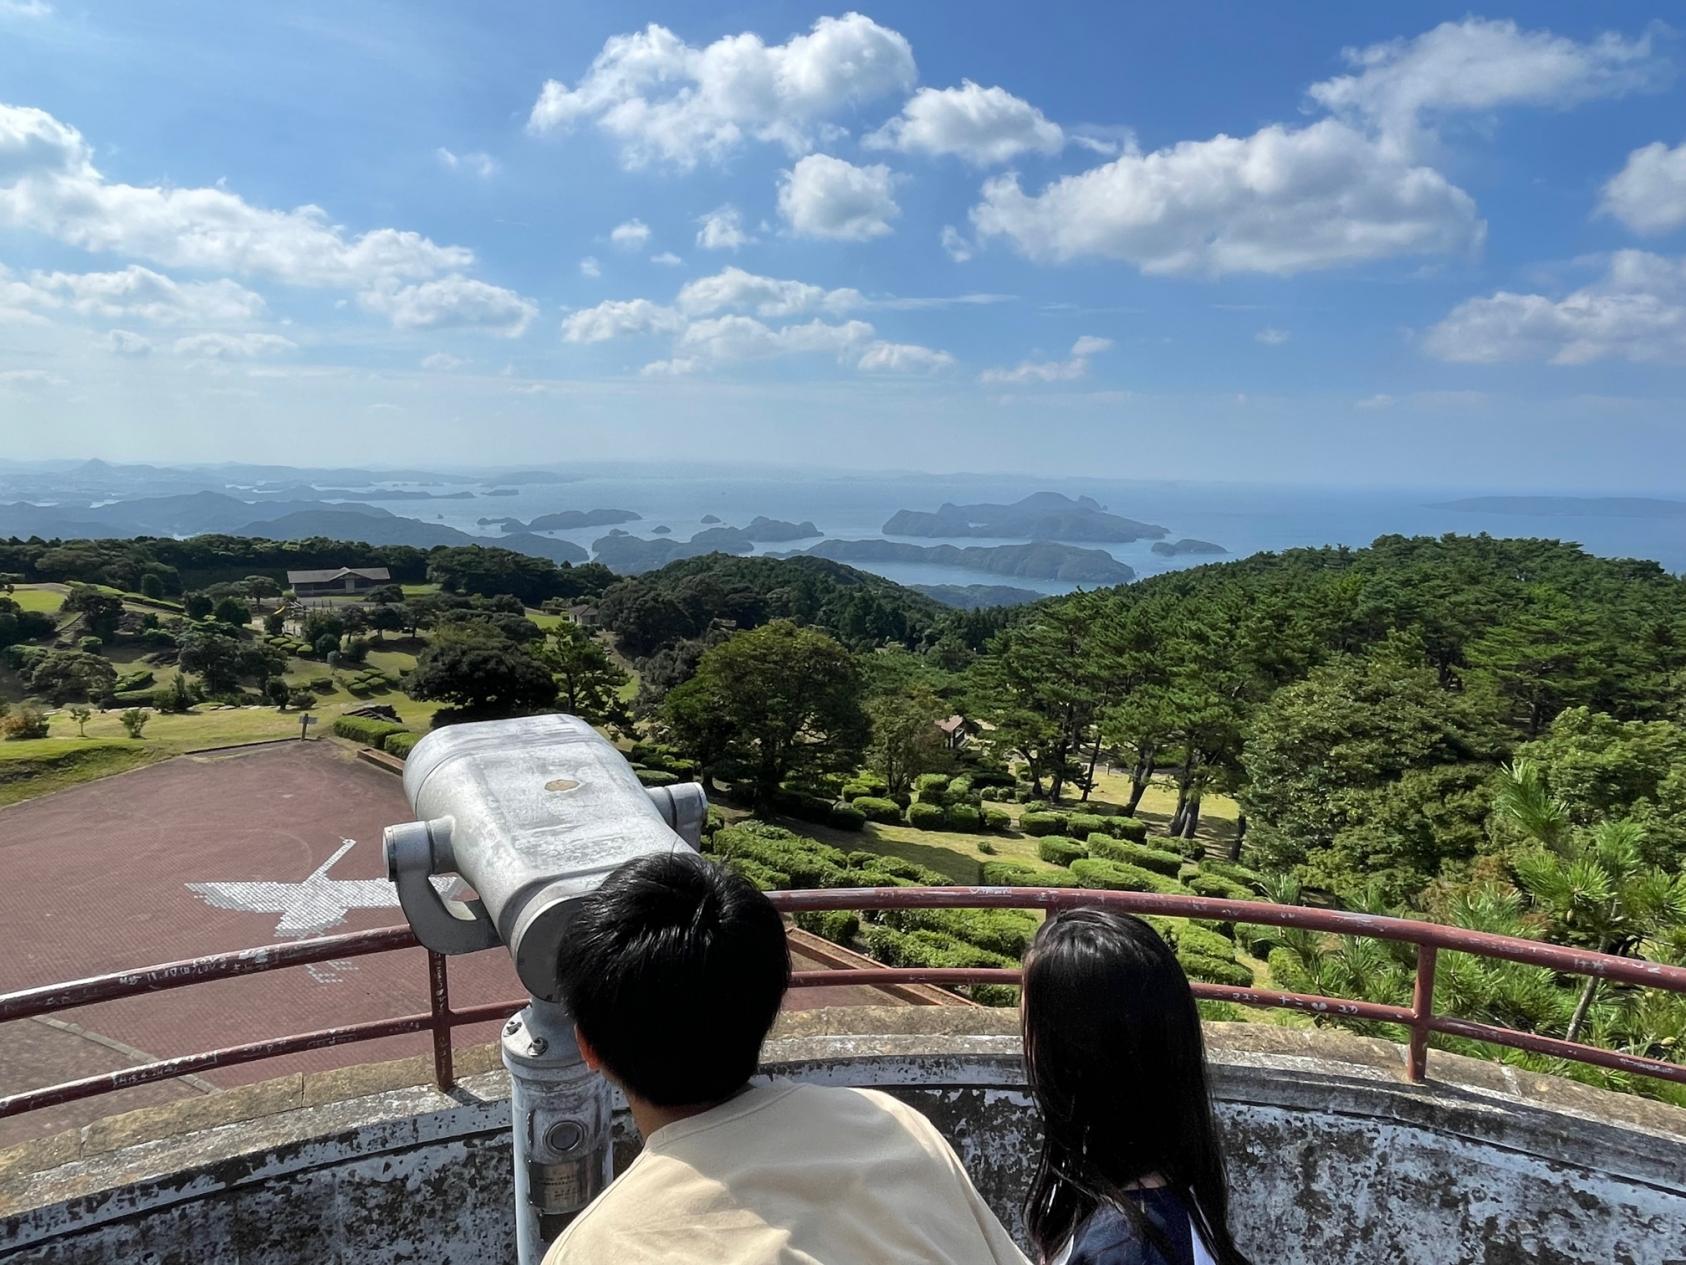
[(1243, 519)]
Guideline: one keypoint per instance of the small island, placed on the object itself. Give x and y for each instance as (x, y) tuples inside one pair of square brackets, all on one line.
[(567, 520), (1187, 545), (502, 524), (631, 555), (777, 529), (502, 492), (710, 519), (662, 530), (1039, 516)]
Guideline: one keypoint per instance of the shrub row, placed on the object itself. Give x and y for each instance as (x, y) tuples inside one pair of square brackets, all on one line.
[(1138, 854), (1119, 876), (1019, 874), (365, 730), (399, 744), (1004, 931), (840, 926), (935, 949), (1057, 850), (1036, 820)]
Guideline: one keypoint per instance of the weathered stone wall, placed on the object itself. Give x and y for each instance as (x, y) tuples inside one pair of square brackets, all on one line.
[(1334, 1158)]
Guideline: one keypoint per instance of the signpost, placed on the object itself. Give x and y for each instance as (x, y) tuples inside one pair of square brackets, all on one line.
[(306, 720)]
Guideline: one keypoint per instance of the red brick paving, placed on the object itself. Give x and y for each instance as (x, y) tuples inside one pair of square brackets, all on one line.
[(96, 881)]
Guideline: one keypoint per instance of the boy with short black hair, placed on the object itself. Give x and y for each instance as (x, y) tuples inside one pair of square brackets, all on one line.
[(674, 972)]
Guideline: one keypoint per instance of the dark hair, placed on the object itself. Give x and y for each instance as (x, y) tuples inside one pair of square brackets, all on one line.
[(1114, 1055), (674, 970)]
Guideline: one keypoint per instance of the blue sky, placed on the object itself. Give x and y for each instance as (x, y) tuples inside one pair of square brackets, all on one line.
[(1298, 243)]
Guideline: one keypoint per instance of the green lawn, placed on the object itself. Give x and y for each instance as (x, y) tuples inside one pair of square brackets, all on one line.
[(418, 590), (39, 599), (544, 621), (43, 765)]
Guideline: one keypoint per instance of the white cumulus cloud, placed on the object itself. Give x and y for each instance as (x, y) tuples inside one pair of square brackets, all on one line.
[(981, 125), (451, 303), (724, 339), (1635, 312), (442, 362), (822, 196), (882, 357), (232, 346), (1649, 193), (722, 229), (134, 293), (665, 101), (1270, 336), (632, 235), (733, 289), (1480, 64), (589, 267), (29, 379), (1073, 367), (667, 259), (1280, 201), (615, 318), (49, 185)]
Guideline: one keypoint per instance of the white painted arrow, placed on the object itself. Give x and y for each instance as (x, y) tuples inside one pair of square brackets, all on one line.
[(306, 908)]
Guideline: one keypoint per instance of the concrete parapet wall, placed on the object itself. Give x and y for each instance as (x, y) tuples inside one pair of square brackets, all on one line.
[(1333, 1157)]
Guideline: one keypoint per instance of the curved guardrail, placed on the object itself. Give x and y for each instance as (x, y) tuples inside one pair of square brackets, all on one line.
[(1419, 1018)]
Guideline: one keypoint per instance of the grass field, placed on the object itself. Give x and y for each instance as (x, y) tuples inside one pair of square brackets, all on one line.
[(41, 766), (39, 599)]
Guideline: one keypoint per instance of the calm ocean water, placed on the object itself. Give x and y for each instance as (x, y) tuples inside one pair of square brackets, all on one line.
[(1243, 519)]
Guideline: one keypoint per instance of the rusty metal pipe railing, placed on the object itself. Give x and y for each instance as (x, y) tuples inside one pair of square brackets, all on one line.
[(1419, 1019)]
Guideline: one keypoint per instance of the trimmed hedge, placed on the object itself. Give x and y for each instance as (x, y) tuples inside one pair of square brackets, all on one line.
[(365, 730), (1019, 874), (896, 867), (876, 809), (1215, 970), (840, 926), (803, 862), (762, 876), (923, 816), (1043, 823), (1080, 825), (963, 817), (1004, 931), (997, 819), (1220, 888), (1166, 863), (933, 948), (959, 790), (1235, 872), (845, 816), (400, 744), (1127, 828), (1117, 876), (929, 788), (656, 777), (1056, 850), (1191, 938)]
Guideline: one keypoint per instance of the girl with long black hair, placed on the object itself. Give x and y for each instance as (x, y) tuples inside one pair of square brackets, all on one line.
[(1130, 1172)]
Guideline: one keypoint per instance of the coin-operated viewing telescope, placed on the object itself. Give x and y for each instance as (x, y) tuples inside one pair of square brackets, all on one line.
[(532, 814)]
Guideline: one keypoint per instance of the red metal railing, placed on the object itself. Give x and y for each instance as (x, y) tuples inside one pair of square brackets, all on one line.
[(1419, 1018)]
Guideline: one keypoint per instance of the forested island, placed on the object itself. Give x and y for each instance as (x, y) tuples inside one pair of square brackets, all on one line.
[(1187, 545), (1039, 516)]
